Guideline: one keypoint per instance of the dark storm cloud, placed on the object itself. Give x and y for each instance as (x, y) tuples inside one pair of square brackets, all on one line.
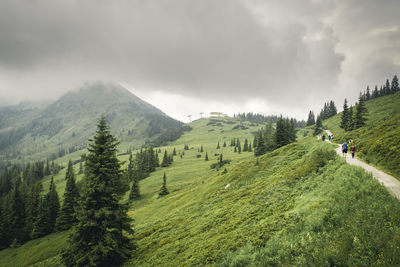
[(283, 52)]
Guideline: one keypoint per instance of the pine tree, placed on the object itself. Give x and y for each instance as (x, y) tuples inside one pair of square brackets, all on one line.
[(246, 145), (224, 145), (395, 85), (250, 149), (361, 113), (345, 116), (387, 87), (260, 148), (163, 189), (132, 175), (33, 206), (206, 158), (368, 94), (375, 94), (80, 168), (218, 145), (100, 239), (281, 136), (350, 124), (16, 215), (239, 146), (165, 161), (174, 152), (318, 126), (47, 169), (311, 118), (40, 228), (255, 141), (201, 149), (332, 109), (53, 206), (67, 216)]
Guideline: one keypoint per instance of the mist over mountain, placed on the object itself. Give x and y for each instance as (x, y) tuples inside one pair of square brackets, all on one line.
[(42, 129)]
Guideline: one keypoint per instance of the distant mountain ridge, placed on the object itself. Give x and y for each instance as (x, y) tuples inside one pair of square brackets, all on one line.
[(65, 125)]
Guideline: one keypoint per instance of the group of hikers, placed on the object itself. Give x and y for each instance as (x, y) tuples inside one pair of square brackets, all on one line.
[(345, 145), (352, 149)]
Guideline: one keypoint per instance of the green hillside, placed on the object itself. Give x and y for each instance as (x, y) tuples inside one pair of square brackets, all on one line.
[(300, 205), (64, 126), (378, 142)]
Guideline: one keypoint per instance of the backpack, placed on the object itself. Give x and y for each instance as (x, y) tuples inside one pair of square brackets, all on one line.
[(345, 146)]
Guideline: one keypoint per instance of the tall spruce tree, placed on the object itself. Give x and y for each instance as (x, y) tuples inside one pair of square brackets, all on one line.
[(345, 116), (16, 215), (80, 168), (163, 189), (53, 206), (165, 162), (246, 145), (132, 176), (318, 126), (67, 217), (361, 113), (311, 118), (387, 87), (332, 109), (206, 158), (260, 148), (368, 94), (395, 85), (375, 93), (100, 237), (350, 123), (281, 137)]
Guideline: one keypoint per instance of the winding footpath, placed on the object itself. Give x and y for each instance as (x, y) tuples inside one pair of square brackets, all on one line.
[(391, 183)]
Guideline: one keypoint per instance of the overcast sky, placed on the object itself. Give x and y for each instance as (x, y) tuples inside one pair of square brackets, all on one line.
[(186, 57)]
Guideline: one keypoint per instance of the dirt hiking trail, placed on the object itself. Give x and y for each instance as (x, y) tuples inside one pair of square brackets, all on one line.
[(391, 183)]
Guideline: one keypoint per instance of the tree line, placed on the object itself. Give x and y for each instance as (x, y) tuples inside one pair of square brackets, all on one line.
[(270, 138), (262, 119), (386, 89), (329, 110)]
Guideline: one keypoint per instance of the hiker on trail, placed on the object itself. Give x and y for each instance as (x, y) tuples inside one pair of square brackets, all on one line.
[(353, 151), (329, 137), (323, 138), (344, 149)]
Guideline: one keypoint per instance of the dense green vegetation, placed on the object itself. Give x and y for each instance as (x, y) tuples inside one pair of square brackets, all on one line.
[(377, 141), (297, 205)]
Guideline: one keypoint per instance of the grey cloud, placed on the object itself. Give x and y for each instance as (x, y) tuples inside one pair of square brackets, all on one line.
[(284, 52)]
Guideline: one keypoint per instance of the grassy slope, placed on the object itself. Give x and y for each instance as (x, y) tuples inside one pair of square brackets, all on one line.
[(378, 142), (301, 204)]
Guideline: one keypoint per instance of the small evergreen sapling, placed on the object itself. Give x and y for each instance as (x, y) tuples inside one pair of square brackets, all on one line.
[(163, 189)]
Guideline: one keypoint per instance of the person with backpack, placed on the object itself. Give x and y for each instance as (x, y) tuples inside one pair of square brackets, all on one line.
[(344, 149), (323, 138), (353, 151)]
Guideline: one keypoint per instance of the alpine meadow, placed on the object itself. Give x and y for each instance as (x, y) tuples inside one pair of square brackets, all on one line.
[(215, 133)]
